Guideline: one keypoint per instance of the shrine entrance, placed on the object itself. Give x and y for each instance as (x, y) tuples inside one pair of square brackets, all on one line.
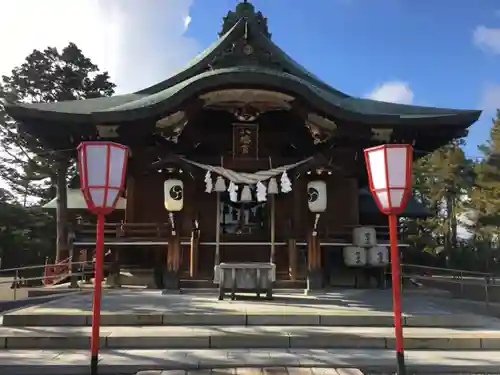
[(248, 225)]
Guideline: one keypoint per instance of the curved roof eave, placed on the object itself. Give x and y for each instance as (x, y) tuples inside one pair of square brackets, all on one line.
[(198, 63), (147, 106)]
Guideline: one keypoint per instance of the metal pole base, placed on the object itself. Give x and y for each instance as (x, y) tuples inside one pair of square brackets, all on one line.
[(400, 358), (93, 364)]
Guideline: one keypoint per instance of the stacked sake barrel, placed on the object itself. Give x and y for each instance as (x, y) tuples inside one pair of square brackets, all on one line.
[(364, 250)]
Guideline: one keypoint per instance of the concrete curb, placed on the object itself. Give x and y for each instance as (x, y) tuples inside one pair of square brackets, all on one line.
[(19, 319), (251, 338)]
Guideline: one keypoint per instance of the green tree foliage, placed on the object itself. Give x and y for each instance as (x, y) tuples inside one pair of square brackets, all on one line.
[(442, 182), (26, 234), (27, 166), (45, 76)]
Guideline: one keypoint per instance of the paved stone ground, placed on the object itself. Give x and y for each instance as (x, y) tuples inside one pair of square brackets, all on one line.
[(376, 302), (279, 371), (259, 371), (127, 362)]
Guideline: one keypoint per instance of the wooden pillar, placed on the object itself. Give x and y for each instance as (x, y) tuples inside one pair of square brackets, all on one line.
[(193, 255), (171, 278), (129, 209), (292, 258), (273, 229), (314, 273), (217, 230), (62, 251)]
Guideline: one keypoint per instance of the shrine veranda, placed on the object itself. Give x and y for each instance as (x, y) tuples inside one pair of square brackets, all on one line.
[(243, 156)]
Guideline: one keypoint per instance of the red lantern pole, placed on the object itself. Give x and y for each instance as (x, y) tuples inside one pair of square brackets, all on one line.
[(101, 192), (96, 304), (389, 170), (396, 294)]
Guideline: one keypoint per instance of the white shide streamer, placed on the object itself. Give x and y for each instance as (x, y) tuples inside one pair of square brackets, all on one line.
[(250, 178)]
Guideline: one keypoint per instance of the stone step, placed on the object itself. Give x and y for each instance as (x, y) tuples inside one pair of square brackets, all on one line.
[(112, 362), (224, 337), (26, 317)]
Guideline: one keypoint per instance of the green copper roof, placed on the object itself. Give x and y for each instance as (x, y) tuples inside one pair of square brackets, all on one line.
[(223, 65)]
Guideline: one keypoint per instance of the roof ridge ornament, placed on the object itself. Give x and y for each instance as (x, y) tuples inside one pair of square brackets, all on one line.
[(245, 10)]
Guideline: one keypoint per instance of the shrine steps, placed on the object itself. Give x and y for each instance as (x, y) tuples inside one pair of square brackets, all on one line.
[(148, 319), (262, 337)]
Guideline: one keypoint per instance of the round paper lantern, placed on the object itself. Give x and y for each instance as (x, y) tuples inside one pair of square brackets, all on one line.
[(316, 196), (174, 195)]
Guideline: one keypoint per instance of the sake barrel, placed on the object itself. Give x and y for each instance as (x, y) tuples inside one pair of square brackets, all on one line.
[(354, 256), (364, 237), (378, 256)]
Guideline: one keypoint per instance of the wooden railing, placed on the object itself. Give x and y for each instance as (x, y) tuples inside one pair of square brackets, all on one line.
[(119, 231), (160, 232)]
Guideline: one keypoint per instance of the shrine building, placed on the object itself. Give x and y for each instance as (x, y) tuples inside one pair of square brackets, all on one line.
[(243, 156)]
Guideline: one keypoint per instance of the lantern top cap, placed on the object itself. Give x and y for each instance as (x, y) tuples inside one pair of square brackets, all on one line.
[(101, 143), (391, 145)]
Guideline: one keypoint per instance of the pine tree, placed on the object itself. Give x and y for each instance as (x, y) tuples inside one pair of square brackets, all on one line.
[(484, 202), (28, 167), (442, 181)]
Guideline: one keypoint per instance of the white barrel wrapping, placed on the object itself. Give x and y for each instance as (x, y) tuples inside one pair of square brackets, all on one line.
[(378, 256), (364, 237), (354, 256)]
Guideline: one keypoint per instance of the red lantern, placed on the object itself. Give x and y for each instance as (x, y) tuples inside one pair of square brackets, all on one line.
[(102, 167), (389, 173)]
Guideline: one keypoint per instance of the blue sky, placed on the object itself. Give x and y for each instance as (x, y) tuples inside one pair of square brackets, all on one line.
[(446, 51), (427, 52)]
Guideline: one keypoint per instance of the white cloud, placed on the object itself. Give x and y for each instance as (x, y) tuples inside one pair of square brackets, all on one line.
[(139, 42), (490, 100), (394, 92), (487, 38), (187, 21)]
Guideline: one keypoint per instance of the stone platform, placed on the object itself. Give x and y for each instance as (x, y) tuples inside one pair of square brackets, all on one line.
[(370, 308), (145, 319)]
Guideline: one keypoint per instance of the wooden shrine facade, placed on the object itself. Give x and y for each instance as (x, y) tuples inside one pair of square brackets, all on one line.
[(241, 109)]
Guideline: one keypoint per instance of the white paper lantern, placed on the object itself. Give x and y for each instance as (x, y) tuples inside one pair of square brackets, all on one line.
[(102, 167), (174, 195), (389, 170), (378, 256), (220, 185), (364, 236), (246, 194), (316, 196), (272, 187), (354, 256)]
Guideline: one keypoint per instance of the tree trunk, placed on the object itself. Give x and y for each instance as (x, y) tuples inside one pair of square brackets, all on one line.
[(454, 223), (62, 249)]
